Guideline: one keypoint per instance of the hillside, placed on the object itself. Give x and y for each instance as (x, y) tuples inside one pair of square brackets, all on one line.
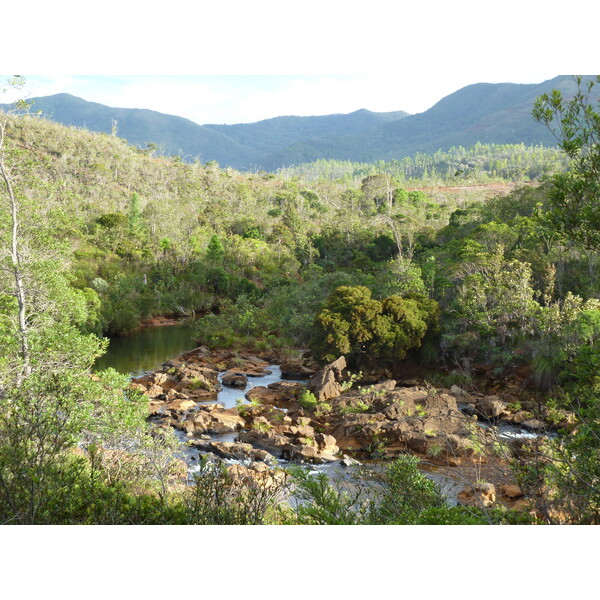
[(483, 112), (240, 146), (489, 302)]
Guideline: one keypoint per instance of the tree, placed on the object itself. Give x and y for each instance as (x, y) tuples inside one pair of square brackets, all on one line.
[(17, 82), (575, 193), (215, 251), (49, 404), (352, 323)]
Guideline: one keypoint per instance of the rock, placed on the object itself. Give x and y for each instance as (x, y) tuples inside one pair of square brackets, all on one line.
[(280, 392), (490, 407), (348, 461), (213, 419), (196, 381), (302, 430), (521, 416), (302, 451), (410, 383), (298, 369), (145, 380), (272, 442), (325, 384), (480, 494), (512, 492), (180, 405), (258, 475), (234, 379), (535, 425), (160, 378), (327, 444), (456, 391), (154, 391), (384, 386), (239, 451)]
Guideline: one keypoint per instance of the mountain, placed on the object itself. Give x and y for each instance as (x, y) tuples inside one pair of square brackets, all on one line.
[(172, 135), (240, 146), (482, 112), (274, 134)]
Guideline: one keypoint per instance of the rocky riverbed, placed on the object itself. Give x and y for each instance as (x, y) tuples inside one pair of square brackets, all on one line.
[(329, 419)]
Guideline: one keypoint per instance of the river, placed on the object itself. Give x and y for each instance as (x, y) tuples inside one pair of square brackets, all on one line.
[(147, 348)]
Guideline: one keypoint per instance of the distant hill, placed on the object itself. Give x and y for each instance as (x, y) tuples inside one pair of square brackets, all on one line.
[(483, 112), (240, 146)]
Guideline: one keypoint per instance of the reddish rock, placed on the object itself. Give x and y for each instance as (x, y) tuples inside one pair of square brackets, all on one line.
[(154, 391), (490, 407), (512, 492), (326, 383), (234, 379), (213, 419), (481, 495)]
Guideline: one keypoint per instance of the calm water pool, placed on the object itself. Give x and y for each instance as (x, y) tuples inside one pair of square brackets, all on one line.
[(147, 348)]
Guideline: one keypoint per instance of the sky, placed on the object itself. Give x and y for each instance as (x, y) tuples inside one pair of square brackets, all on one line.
[(234, 62), (246, 98)]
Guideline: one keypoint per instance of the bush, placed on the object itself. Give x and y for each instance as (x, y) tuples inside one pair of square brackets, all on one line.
[(352, 323)]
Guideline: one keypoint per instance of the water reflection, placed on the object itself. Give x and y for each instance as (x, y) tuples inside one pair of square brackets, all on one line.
[(147, 349)]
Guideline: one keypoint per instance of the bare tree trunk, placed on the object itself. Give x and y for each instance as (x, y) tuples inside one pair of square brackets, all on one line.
[(15, 259)]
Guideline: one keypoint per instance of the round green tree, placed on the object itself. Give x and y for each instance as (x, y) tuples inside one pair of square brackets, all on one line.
[(352, 323)]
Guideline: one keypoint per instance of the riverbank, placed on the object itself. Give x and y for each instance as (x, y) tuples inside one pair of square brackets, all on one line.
[(323, 420)]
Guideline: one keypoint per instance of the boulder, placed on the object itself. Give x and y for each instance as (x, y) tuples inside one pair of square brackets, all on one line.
[(512, 492), (326, 383), (481, 495), (298, 369), (490, 407), (234, 379), (280, 392), (535, 425), (213, 419), (180, 405), (327, 444), (154, 391), (238, 451), (257, 475), (348, 461), (458, 392), (272, 442)]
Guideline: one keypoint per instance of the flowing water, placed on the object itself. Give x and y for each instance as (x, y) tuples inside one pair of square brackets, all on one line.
[(146, 349)]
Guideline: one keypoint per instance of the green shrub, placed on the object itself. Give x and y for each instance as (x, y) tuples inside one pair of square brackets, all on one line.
[(308, 400)]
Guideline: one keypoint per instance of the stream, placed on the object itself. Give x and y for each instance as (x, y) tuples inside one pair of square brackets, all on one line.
[(146, 349)]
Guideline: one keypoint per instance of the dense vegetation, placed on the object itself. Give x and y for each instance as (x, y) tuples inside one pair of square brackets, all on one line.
[(97, 235), (480, 163)]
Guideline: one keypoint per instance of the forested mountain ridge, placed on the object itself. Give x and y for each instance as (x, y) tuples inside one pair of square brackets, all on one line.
[(239, 146), (482, 112)]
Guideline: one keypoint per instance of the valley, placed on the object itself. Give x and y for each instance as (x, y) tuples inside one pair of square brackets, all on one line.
[(427, 312)]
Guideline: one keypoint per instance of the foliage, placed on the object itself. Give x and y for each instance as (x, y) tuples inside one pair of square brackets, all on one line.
[(352, 322), (401, 495), (308, 400), (575, 194)]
